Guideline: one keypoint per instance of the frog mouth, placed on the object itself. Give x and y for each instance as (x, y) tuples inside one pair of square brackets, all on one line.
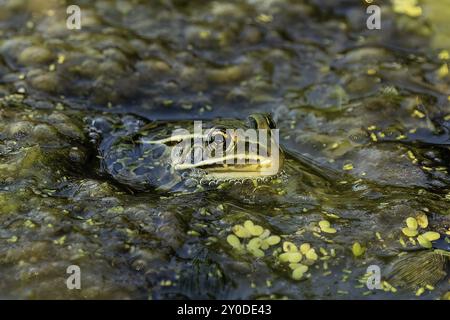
[(236, 166)]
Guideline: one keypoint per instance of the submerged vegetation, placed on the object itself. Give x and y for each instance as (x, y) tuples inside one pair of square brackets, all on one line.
[(364, 120)]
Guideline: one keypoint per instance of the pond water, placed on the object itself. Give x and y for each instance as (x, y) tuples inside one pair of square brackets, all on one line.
[(370, 107)]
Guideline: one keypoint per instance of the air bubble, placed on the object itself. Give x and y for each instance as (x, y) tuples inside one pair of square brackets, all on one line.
[(185, 175), (191, 182), (212, 183)]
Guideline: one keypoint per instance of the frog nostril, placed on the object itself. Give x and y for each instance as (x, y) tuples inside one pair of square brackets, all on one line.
[(261, 121)]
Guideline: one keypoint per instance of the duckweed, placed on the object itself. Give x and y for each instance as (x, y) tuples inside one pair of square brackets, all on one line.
[(311, 255), (325, 226), (273, 240), (357, 249), (431, 235), (262, 240), (292, 257), (60, 241), (444, 55), (193, 233), (422, 220), (323, 251), (264, 18), (388, 287), (348, 167), (443, 71), (254, 230), (29, 224), (420, 291), (256, 252), (265, 234), (289, 247), (411, 227), (409, 232), (13, 239), (294, 266), (254, 243), (424, 242), (411, 223), (407, 7), (305, 247), (241, 232), (298, 272)]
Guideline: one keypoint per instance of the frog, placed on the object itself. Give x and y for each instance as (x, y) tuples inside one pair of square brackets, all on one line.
[(159, 155)]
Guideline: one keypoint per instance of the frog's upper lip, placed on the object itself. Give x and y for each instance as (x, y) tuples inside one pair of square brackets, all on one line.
[(222, 161), (220, 169)]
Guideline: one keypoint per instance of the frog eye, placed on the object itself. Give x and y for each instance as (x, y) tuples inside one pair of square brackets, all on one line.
[(218, 139)]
